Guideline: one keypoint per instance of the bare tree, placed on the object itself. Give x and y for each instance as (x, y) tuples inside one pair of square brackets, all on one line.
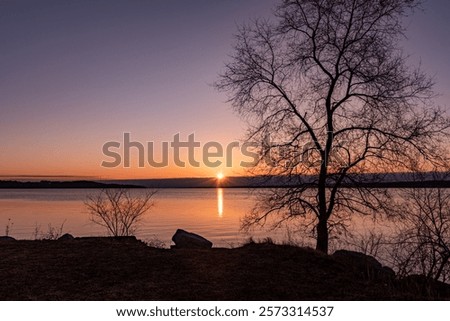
[(422, 243), (327, 82), (118, 211)]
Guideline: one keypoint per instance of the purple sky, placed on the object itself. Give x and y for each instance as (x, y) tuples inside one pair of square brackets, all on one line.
[(76, 74)]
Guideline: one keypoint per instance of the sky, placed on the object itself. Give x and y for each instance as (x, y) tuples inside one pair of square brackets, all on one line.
[(75, 75)]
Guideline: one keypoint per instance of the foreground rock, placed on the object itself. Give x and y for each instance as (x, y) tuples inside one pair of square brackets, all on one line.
[(365, 265), (187, 240), (66, 237), (6, 239)]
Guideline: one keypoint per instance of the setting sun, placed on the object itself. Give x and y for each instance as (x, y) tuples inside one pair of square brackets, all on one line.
[(220, 176)]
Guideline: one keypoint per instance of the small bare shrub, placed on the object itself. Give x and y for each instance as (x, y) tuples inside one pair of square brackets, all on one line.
[(52, 233), (8, 227), (118, 211), (422, 244), (371, 242), (155, 242)]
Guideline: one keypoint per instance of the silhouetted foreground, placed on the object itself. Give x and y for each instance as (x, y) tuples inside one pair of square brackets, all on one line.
[(126, 269)]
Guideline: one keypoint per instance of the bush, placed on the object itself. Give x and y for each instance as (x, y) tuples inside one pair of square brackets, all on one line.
[(422, 244), (118, 211)]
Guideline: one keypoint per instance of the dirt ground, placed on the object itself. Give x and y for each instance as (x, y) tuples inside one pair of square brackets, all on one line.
[(127, 269)]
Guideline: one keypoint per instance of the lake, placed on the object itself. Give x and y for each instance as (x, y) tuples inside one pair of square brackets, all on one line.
[(212, 213)]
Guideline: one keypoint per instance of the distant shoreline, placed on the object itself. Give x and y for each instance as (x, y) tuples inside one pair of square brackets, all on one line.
[(231, 182), (62, 185)]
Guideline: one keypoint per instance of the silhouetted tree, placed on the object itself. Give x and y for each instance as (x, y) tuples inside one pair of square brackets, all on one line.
[(326, 81), (118, 211)]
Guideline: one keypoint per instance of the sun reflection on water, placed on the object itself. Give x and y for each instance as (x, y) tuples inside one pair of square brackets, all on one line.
[(220, 202)]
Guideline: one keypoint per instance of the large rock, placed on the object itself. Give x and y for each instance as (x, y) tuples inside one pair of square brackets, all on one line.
[(187, 240), (427, 287), (66, 237), (6, 239), (366, 265)]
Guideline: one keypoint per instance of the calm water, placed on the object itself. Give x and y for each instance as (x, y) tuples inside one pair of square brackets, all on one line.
[(213, 213)]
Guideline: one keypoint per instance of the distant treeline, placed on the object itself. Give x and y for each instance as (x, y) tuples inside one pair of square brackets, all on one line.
[(373, 181), (392, 180), (410, 184), (67, 184)]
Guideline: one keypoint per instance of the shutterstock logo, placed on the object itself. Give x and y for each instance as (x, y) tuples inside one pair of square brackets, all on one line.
[(182, 153)]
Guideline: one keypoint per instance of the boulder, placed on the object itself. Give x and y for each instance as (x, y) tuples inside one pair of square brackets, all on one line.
[(187, 240), (66, 237), (364, 264), (388, 272), (425, 286), (6, 239)]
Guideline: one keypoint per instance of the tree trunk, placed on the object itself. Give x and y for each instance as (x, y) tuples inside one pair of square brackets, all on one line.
[(322, 226), (322, 236)]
